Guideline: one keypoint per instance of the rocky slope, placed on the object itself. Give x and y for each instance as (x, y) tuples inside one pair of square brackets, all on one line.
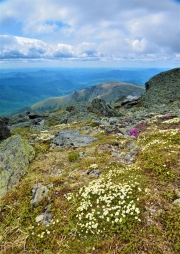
[(105, 179), (107, 91), (162, 88)]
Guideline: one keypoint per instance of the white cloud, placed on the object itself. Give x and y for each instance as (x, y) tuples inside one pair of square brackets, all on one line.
[(18, 47), (86, 49), (91, 29), (13, 47)]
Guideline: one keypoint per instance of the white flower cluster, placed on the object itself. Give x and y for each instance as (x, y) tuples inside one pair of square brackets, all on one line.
[(104, 204), (165, 138), (43, 233), (62, 126), (43, 136), (154, 119), (169, 131), (154, 142), (173, 120)]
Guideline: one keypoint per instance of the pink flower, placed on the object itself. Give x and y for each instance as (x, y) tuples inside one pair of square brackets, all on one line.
[(134, 132)]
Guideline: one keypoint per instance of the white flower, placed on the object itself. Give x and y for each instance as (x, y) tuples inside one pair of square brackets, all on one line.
[(117, 213)]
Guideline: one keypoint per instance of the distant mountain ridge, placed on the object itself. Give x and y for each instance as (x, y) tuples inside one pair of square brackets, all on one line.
[(108, 91), (23, 87)]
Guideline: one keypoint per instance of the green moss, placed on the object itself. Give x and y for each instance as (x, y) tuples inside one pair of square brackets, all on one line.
[(41, 147), (24, 132), (160, 151), (171, 222)]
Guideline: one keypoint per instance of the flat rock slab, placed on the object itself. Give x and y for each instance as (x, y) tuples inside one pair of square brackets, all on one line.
[(68, 138)]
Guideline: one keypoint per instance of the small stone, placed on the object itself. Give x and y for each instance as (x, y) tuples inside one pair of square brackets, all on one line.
[(123, 131), (45, 217), (39, 218), (39, 192), (81, 154)]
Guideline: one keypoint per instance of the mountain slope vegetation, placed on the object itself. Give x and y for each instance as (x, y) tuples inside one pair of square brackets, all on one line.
[(107, 91)]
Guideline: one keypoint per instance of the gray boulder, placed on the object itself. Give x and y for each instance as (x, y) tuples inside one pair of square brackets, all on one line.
[(15, 156), (4, 131), (130, 101), (27, 119), (66, 138), (99, 106), (162, 88)]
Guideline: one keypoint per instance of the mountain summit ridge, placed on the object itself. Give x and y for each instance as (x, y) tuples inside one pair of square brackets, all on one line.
[(107, 90), (162, 88)]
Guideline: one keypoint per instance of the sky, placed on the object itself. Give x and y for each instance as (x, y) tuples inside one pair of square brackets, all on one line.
[(89, 33)]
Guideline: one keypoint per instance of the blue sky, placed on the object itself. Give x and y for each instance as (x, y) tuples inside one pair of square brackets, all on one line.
[(89, 33)]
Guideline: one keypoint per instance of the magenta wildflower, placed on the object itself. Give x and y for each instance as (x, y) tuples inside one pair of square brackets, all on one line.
[(134, 132)]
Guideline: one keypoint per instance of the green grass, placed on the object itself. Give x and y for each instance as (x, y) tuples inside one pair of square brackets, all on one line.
[(73, 156)]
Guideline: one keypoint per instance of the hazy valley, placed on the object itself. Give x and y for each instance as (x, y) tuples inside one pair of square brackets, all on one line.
[(24, 87)]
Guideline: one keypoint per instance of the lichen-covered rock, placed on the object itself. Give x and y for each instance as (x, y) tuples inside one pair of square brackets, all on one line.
[(162, 88), (71, 138), (39, 192), (4, 131), (99, 106), (15, 156)]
